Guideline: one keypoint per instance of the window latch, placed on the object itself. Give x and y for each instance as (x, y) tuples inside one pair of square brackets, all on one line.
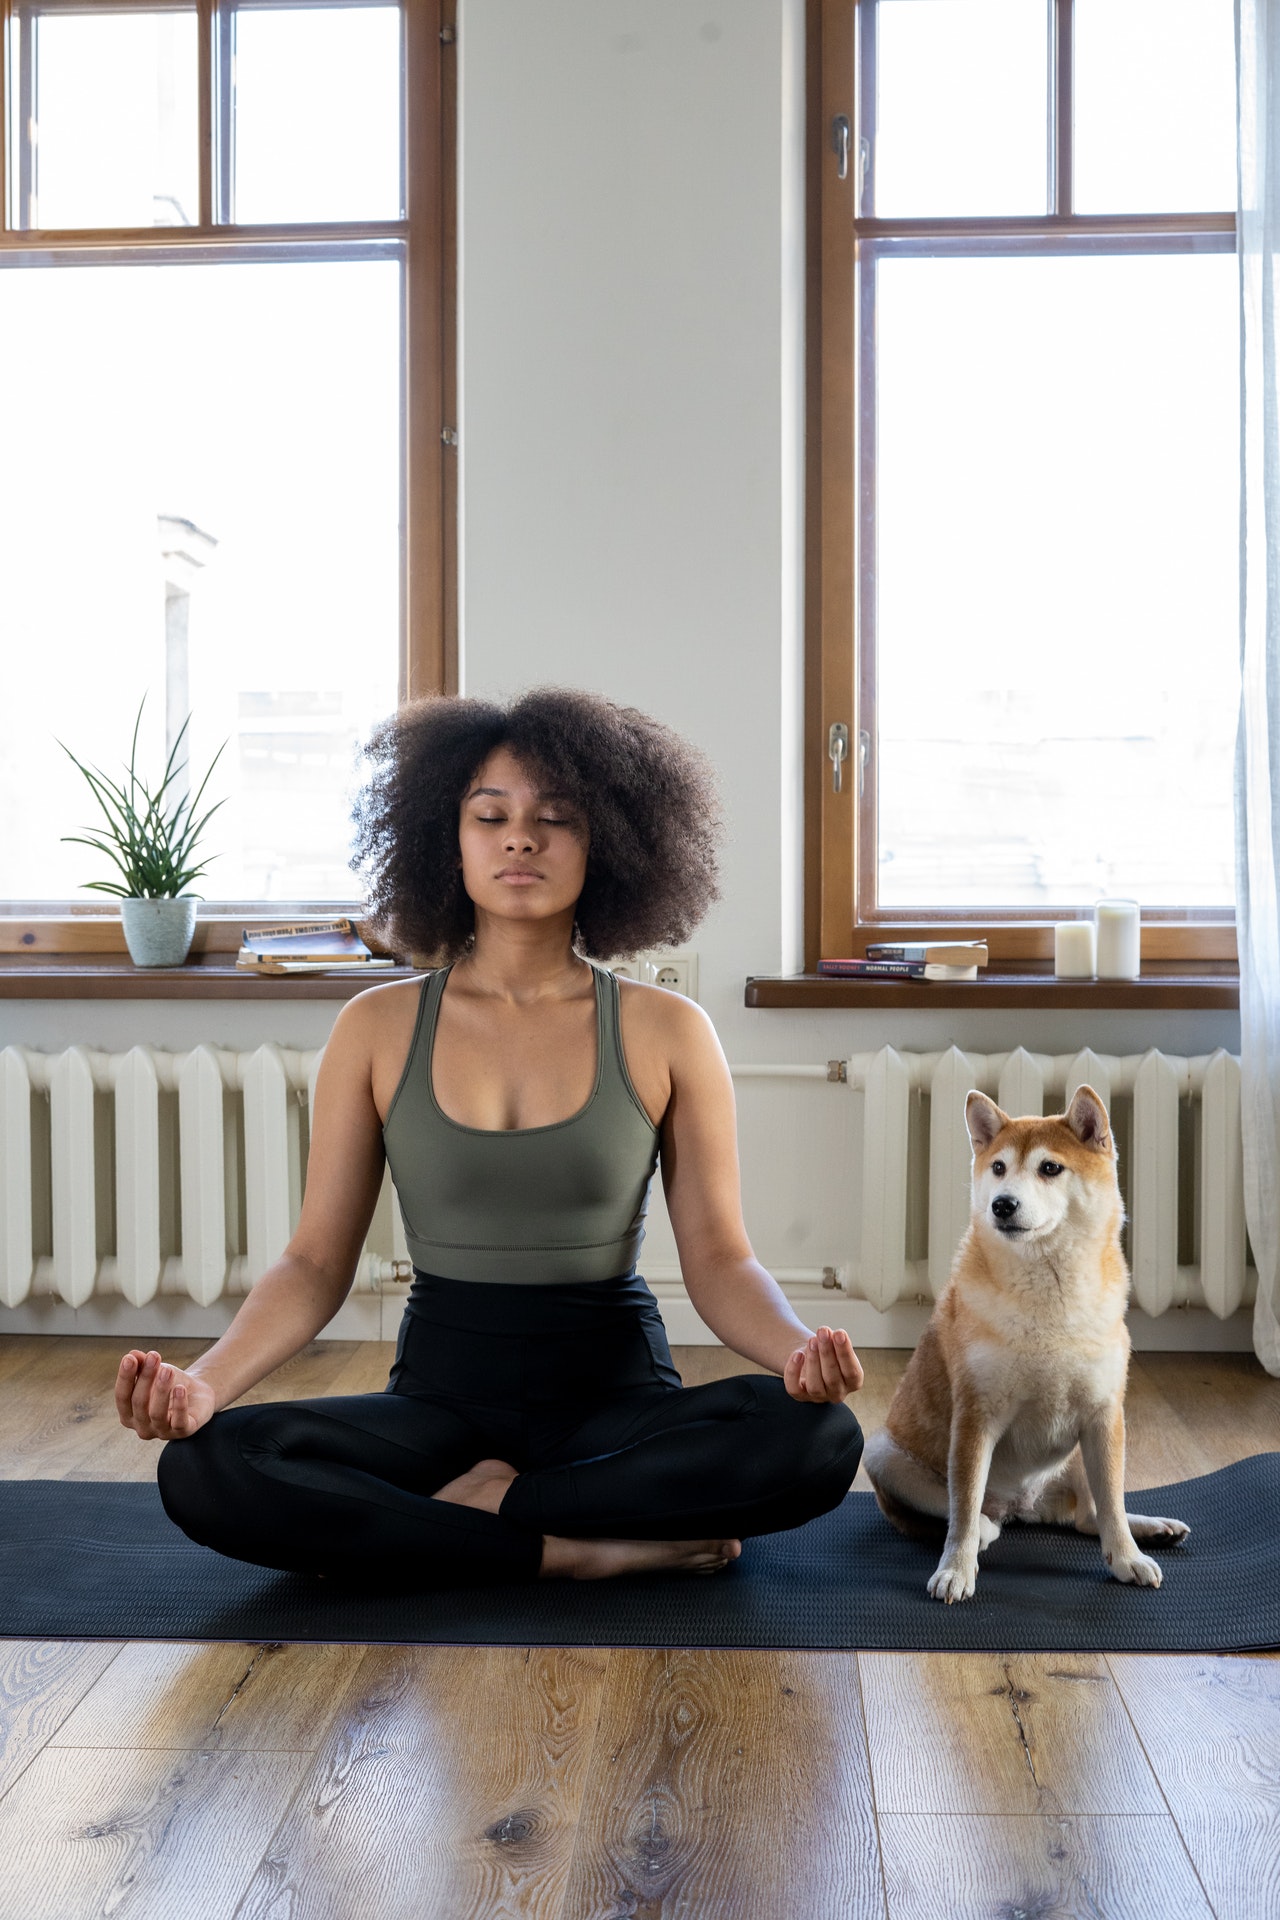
[(837, 752), (840, 141), (864, 754)]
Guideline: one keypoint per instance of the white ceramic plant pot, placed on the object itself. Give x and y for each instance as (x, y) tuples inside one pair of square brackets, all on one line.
[(158, 932)]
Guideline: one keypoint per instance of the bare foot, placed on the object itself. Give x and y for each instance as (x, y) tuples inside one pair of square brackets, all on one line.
[(601, 1559), (481, 1486), (484, 1485)]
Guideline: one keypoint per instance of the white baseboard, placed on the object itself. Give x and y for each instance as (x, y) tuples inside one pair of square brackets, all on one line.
[(900, 1326), (374, 1316), (1180, 1330), (172, 1317), (1191, 1330)]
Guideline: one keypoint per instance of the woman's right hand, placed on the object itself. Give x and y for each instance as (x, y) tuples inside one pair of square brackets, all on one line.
[(159, 1401)]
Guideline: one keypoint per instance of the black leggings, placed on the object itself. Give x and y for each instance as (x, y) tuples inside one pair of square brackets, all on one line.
[(572, 1385)]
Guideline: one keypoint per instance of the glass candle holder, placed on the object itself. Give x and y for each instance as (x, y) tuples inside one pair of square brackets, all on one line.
[(1118, 925), (1074, 950)]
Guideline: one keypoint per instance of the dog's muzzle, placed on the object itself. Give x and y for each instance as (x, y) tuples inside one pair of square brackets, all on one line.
[(1005, 1209)]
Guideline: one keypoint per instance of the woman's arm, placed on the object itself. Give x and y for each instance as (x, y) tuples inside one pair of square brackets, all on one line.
[(741, 1303), (302, 1290)]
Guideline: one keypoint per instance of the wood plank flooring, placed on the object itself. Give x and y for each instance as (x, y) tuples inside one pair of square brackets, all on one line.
[(240, 1782)]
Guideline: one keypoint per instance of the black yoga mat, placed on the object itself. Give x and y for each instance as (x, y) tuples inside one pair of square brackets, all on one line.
[(85, 1560)]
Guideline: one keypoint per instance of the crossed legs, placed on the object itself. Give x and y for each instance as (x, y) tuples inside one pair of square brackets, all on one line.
[(367, 1486)]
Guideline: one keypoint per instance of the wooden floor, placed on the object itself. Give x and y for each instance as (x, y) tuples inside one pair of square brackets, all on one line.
[(140, 1780)]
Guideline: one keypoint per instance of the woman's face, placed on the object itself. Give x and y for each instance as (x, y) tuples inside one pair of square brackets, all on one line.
[(524, 850)]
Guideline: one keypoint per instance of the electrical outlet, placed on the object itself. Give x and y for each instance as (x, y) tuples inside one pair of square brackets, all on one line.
[(677, 972)]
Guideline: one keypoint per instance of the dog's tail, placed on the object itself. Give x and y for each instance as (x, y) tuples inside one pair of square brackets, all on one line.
[(926, 1527)]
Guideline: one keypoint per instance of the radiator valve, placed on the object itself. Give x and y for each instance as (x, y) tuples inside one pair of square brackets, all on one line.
[(382, 1273)]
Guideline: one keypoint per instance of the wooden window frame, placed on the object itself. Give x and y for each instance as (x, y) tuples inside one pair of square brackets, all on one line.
[(426, 240), (840, 828)]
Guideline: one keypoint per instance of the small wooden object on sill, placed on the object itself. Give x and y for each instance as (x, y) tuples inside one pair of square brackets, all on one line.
[(1160, 987)]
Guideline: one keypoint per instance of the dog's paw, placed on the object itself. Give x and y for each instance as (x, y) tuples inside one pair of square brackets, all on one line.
[(1135, 1569), (1144, 1527), (988, 1530), (954, 1580)]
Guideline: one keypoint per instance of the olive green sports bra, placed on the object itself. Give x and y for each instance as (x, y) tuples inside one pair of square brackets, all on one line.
[(529, 1205)]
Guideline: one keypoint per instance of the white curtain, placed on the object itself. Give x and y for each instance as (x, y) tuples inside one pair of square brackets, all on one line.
[(1258, 746)]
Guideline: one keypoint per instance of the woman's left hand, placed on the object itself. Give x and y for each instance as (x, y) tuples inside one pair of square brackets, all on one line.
[(825, 1368)]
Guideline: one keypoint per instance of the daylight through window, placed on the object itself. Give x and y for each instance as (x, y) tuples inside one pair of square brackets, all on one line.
[(1049, 455), (203, 489)]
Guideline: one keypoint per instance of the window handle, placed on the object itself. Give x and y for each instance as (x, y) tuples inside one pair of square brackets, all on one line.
[(840, 141), (837, 752)]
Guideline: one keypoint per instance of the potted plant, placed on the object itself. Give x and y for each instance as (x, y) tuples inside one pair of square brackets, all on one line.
[(151, 841)]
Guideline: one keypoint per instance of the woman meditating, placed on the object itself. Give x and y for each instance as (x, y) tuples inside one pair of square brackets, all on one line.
[(533, 1423)]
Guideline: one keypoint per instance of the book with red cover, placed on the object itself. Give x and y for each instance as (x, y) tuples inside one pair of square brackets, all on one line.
[(874, 969), (858, 969)]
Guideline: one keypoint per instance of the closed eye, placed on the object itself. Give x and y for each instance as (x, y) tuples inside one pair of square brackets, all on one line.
[(1050, 1169)]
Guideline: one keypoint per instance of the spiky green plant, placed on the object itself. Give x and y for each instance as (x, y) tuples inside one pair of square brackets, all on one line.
[(150, 842)]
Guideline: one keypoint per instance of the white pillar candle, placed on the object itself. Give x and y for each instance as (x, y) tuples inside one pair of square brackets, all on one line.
[(1119, 925), (1073, 950)]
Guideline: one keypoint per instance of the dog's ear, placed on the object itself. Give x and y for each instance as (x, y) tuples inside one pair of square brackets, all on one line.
[(984, 1120), (1087, 1119)]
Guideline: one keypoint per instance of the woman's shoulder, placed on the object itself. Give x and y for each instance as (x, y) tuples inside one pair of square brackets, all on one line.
[(666, 1021), (380, 1010), (672, 1047), (374, 1032)]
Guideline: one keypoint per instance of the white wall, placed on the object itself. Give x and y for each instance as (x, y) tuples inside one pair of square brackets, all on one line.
[(631, 351)]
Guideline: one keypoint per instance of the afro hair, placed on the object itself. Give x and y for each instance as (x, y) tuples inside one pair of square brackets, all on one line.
[(650, 799)]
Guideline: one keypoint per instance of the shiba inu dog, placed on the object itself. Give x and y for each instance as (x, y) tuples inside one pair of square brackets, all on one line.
[(1012, 1406)]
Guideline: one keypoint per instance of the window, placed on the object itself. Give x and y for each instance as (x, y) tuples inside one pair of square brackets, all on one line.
[(225, 296), (1023, 469)]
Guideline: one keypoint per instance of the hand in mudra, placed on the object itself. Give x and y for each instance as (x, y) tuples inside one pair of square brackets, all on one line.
[(825, 1368), (160, 1402)]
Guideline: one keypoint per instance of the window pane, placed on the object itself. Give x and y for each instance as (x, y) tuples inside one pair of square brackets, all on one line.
[(1155, 106), (1057, 580), (114, 102), (199, 500), (961, 107), (317, 113)]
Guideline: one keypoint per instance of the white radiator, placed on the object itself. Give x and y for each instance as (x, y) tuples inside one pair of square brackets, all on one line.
[(1177, 1125), (145, 1174)]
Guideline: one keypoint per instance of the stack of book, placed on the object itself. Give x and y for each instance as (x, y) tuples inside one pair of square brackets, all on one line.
[(918, 960), (309, 946)]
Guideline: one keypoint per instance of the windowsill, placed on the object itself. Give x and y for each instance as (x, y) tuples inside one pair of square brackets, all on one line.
[(213, 976), (207, 976), (1161, 987)]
